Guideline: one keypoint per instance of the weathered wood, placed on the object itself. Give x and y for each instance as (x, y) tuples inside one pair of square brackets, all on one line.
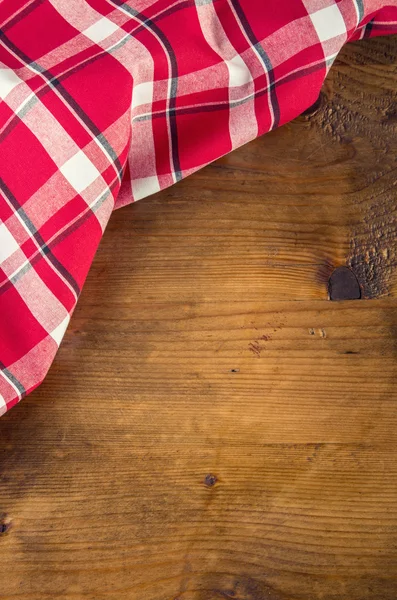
[(213, 427)]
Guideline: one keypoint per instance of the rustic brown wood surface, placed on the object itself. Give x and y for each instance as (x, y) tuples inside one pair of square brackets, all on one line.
[(214, 427)]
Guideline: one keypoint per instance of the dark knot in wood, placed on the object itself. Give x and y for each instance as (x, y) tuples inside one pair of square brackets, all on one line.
[(210, 480), (343, 285)]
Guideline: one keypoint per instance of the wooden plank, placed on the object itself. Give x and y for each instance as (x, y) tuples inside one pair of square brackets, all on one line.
[(213, 426)]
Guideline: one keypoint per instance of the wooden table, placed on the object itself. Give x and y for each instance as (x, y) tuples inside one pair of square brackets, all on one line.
[(214, 427)]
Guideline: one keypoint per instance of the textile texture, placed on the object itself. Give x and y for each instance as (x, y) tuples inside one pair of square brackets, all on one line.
[(104, 102)]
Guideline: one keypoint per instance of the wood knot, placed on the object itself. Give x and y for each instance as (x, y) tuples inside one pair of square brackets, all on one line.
[(343, 285), (210, 480), (5, 526)]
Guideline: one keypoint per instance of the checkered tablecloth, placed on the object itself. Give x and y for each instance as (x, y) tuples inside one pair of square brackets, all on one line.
[(104, 102)]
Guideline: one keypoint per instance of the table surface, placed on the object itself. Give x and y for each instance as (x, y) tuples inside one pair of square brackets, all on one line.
[(214, 427)]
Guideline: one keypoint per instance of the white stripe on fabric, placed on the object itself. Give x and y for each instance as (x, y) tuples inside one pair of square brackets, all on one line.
[(8, 244), (8, 81), (243, 125), (3, 406)]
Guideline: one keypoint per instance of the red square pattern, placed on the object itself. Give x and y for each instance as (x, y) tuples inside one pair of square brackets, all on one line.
[(32, 173), (93, 87), (50, 31), (17, 336)]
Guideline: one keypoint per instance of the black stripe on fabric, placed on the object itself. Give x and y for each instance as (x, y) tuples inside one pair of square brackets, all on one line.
[(15, 120), (22, 14), (13, 379), (368, 29), (69, 99), (265, 59), (16, 117), (59, 238), (383, 26), (149, 23), (37, 236)]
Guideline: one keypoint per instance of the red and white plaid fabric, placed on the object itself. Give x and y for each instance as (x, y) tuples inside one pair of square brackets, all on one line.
[(103, 102)]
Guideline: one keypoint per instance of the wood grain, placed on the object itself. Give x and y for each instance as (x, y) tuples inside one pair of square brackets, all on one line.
[(213, 426)]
